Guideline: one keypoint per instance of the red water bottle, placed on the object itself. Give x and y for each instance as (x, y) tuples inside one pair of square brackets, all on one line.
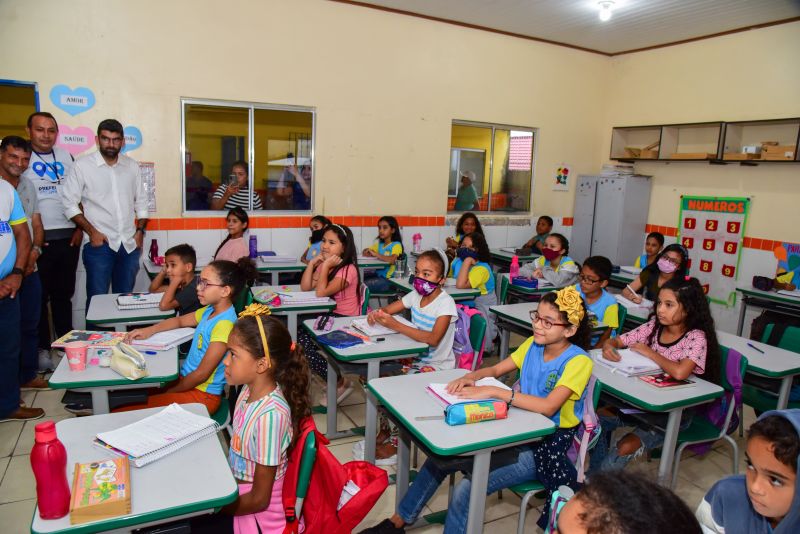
[(153, 250), (513, 271), (49, 463)]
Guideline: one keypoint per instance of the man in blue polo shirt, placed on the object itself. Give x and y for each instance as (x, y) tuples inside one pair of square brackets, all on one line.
[(15, 246)]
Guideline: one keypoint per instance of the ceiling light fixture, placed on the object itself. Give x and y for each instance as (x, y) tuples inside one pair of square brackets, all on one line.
[(605, 9)]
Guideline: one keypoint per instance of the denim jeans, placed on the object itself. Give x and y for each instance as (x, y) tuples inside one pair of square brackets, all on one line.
[(105, 266), (9, 356), (57, 266), (378, 284), (30, 304), (604, 455)]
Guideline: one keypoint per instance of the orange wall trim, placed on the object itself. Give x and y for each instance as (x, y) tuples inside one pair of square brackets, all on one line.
[(749, 242), (218, 223)]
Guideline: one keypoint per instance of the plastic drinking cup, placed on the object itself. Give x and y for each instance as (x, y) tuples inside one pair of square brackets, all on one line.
[(76, 355)]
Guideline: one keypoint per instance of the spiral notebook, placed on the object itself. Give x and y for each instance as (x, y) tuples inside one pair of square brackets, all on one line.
[(158, 435), (135, 301)]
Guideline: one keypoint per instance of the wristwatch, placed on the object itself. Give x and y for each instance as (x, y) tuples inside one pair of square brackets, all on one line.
[(17, 270), (38, 249), (513, 391)]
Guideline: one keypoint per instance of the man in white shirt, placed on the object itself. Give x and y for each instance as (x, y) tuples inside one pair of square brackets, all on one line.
[(15, 153), (58, 257), (110, 189)]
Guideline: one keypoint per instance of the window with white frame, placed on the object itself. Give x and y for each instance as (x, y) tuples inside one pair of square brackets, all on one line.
[(491, 167), (256, 156)]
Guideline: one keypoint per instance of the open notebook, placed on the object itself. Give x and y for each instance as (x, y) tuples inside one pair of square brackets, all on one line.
[(165, 340), (378, 330), (631, 364), (439, 391), (158, 435)]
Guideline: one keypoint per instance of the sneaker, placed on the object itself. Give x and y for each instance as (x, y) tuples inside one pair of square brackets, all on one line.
[(24, 414), (385, 453), (37, 383), (342, 392), (79, 409), (45, 361), (384, 527)]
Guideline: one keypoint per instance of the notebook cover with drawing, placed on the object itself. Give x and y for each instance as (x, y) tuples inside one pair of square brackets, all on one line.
[(100, 490), (94, 337), (663, 380)]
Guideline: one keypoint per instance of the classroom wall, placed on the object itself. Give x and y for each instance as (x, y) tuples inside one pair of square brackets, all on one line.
[(386, 87)]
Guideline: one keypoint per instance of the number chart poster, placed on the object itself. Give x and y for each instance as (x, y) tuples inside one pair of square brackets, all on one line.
[(712, 230)]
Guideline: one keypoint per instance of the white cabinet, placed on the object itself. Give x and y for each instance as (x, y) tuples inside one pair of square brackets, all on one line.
[(610, 217)]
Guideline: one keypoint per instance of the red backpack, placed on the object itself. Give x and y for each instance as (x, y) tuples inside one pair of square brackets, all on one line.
[(328, 478)]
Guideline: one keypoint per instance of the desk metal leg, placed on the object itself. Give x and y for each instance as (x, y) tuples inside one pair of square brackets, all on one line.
[(477, 494), (505, 340), (371, 423), (291, 320), (742, 312), (331, 429), (120, 327), (275, 278), (100, 401), (668, 449), (403, 467), (783, 394)]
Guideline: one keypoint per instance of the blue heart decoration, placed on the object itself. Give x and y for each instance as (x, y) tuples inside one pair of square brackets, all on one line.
[(73, 101), (133, 138)]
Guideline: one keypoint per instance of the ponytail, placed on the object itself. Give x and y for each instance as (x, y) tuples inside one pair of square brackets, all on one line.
[(236, 275)]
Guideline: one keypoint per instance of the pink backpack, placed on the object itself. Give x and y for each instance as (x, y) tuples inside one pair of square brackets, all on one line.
[(462, 345)]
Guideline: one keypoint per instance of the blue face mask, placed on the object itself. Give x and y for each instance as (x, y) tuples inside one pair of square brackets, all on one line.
[(465, 253)]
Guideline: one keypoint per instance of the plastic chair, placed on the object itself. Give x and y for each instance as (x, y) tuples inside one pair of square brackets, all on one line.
[(622, 313), (701, 430), (243, 299), (504, 283), (364, 299), (477, 333), (306, 467), (223, 416), (759, 399), (530, 488)]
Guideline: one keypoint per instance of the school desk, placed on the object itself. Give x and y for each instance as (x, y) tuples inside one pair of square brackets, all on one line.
[(771, 362), (403, 286), (501, 257), (292, 311), (522, 293), (635, 392), (168, 489), (103, 311), (162, 366), (405, 398), (621, 279), (771, 300), (393, 347), (517, 318)]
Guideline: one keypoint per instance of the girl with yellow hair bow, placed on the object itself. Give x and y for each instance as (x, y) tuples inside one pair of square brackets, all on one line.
[(554, 371)]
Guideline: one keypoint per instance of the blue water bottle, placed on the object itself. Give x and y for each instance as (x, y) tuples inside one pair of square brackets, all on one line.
[(253, 246)]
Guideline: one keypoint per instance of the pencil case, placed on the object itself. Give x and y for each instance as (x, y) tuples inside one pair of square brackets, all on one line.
[(531, 283), (465, 413)]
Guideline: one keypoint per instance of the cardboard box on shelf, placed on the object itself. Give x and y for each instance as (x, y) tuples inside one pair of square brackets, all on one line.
[(692, 155), (737, 156), (779, 152)]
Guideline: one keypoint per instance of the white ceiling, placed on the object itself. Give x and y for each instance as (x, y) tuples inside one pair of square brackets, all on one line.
[(635, 23)]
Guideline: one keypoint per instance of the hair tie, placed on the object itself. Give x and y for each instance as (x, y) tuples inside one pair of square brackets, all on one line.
[(292, 346), (687, 277), (257, 310), (569, 301)]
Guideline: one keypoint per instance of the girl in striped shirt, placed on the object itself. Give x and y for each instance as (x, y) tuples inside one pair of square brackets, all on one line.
[(274, 399)]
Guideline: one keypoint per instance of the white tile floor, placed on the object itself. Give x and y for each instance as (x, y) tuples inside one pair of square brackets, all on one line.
[(18, 492)]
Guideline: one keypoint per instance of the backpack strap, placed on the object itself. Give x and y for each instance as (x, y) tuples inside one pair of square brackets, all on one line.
[(589, 425), (734, 375)]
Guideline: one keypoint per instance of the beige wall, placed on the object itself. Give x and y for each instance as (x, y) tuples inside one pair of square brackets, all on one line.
[(744, 76), (385, 87)]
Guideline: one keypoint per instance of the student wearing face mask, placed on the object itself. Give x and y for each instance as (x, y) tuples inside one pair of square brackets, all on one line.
[(317, 226), (471, 269), (554, 265), (671, 264)]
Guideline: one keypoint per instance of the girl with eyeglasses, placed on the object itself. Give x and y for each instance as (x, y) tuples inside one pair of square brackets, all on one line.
[(202, 375), (554, 371), (671, 263)]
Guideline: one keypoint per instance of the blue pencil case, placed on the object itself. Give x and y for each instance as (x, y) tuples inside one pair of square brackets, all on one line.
[(469, 412), (531, 283), (339, 339)]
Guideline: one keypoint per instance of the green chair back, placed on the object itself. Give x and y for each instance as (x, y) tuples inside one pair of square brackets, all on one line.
[(477, 331), (365, 295), (790, 340), (503, 288), (622, 313), (243, 299), (306, 467)]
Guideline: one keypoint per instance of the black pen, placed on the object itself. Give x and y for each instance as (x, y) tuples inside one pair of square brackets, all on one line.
[(755, 348)]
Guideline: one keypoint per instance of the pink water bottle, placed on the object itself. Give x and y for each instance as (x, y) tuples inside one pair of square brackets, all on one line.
[(513, 272), (153, 250), (49, 463)]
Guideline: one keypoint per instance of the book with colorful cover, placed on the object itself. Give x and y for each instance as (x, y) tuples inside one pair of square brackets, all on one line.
[(100, 490), (663, 380), (95, 338)]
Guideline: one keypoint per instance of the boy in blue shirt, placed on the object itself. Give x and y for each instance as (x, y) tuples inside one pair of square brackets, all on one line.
[(601, 304)]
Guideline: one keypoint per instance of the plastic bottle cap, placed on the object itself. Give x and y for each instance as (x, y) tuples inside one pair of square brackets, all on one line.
[(44, 432)]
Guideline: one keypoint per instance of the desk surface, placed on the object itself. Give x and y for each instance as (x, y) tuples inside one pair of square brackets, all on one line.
[(452, 290), (330, 304), (393, 346), (163, 367), (623, 277), (103, 310), (774, 362), (527, 290), (646, 397), (406, 398), (169, 487), (520, 314), (773, 296), (506, 256)]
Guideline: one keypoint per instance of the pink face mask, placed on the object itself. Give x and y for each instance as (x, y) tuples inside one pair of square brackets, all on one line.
[(666, 266)]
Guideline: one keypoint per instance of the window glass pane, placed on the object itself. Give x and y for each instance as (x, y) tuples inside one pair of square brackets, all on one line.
[(16, 103), (216, 138), (511, 170), (470, 147), (282, 166)]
